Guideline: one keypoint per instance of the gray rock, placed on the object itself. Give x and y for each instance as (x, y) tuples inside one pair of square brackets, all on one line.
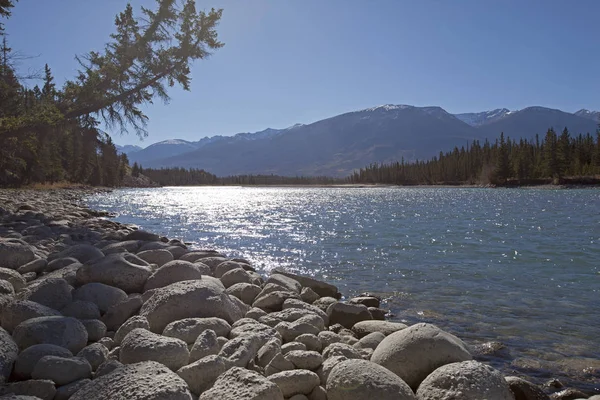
[(62, 370), (95, 354), (126, 246), (118, 313), (55, 293), (361, 379), (62, 331), (289, 283), (115, 270), (13, 313), (366, 327), (524, 390), (347, 314), (241, 349), (81, 310), (59, 263), (237, 275), (368, 301), (205, 345), (108, 342), (67, 273), (194, 256), (273, 301), (311, 342), (199, 298), (267, 352), (295, 314), (321, 288), (371, 341), (38, 265), (142, 381), (328, 337), (304, 359), (171, 272), (137, 321), (156, 256), (291, 346), (221, 265), (324, 302), (142, 235), (6, 288), (8, 355), (12, 276), (142, 345), (40, 389), (14, 253), (29, 357), (341, 349), (378, 313), (104, 296), (246, 292), (29, 276), (294, 303), (472, 379), (95, 328), (66, 391), (107, 367), (256, 313), (202, 374), (297, 381), (82, 252), (239, 383), (415, 352), (327, 366), (318, 393), (291, 330), (308, 295), (188, 329), (278, 364)]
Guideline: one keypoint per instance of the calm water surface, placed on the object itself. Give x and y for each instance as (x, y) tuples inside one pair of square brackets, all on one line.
[(517, 266)]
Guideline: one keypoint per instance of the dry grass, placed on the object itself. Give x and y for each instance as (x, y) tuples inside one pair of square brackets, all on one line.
[(54, 185)]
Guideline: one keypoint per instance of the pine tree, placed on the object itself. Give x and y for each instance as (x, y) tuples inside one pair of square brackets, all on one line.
[(502, 171)]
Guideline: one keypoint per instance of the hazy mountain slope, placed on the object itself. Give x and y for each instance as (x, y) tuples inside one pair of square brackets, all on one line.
[(166, 148), (484, 117), (334, 146), (128, 149), (593, 115), (530, 121)]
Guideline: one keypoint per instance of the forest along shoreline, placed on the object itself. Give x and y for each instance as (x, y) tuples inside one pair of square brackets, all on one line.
[(132, 305)]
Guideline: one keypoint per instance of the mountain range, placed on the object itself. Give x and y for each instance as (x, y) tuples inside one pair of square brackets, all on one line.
[(338, 145)]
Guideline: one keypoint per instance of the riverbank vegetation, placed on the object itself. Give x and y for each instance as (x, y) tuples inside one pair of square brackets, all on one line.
[(553, 159), (52, 134)]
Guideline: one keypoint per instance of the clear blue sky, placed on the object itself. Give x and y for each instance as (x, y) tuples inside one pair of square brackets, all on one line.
[(289, 61)]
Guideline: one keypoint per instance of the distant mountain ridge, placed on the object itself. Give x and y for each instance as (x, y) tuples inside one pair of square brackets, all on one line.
[(340, 144)]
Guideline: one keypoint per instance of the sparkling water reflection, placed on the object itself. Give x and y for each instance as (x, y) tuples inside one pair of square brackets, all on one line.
[(517, 266)]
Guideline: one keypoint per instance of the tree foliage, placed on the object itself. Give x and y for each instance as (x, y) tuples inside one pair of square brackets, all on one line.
[(51, 133), (503, 162)]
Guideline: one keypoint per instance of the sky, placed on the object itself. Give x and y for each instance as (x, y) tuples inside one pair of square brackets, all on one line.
[(292, 61)]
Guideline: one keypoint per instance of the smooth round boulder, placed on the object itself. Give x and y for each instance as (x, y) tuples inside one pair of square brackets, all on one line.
[(364, 328), (29, 357), (146, 380), (415, 352), (14, 254), (95, 354), (304, 359), (348, 314), (81, 310), (205, 345), (246, 292), (115, 270), (323, 289), (362, 379), (237, 275), (220, 265), (62, 370), (8, 355), (142, 345), (95, 328), (171, 272), (66, 391), (55, 293), (296, 381), (81, 252), (59, 263), (118, 313), (200, 298), (524, 390), (38, 265), (156, 256), (15, 312), (66, 332), (137, 321), (467, 379), (104, 296), (239, 383), (142, 235), (12, 276), (289, 283)]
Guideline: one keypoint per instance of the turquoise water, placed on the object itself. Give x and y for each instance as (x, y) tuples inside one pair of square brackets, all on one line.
[(518, 266)]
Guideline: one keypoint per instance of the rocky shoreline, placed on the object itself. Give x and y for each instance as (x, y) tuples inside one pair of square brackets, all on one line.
[(94, 309)]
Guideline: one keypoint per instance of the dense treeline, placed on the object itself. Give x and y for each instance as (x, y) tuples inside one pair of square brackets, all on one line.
[(198, 177), (49, 134), (550, 159)]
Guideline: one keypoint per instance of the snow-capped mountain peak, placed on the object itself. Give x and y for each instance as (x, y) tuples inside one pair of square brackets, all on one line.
[(484, 117)]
